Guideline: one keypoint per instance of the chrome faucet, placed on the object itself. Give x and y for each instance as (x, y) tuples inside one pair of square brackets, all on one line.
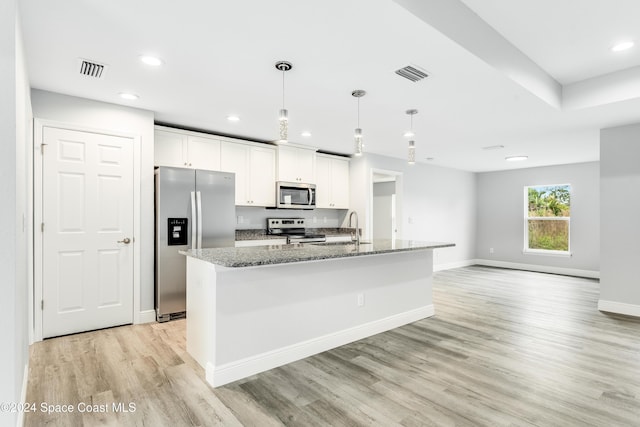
[(355, 239)]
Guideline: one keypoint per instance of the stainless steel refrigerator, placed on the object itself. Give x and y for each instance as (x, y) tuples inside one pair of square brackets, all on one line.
[(194, 209)]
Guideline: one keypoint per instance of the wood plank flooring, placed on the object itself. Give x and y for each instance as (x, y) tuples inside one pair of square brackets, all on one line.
[(505, 348)]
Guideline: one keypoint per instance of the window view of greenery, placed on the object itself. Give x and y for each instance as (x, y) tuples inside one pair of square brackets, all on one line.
[(548, 217)]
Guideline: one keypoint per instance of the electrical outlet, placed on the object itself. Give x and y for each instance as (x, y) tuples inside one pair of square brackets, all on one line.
[(325, 219), (315, 220), (240, 219), (490, 250), (360, 300), (410, 220)]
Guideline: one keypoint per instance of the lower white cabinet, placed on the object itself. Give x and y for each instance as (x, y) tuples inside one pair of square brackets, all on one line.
[(332, 182), (255, 169)]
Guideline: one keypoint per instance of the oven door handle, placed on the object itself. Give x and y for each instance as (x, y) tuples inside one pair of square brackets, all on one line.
[(310, 196)]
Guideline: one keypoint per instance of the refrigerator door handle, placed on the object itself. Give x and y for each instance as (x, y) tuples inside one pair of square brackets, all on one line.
[(193, 223), (199, 218)]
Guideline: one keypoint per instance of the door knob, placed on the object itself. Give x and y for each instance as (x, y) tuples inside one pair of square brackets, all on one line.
[(126, 241)]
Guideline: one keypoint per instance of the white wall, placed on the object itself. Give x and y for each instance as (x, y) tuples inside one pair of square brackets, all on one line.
[(434, 204), (15, 111), (501, 217), (620, 219), (104, 116)]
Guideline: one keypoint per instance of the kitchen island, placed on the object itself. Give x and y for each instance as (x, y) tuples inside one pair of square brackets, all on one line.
[(251, 309)]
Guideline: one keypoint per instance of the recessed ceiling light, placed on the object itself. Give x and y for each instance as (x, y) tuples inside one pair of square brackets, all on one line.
[(516, 158), (306, 134), (151, 60), (129, 96), (233, 118), (622, 46), (409, 134)]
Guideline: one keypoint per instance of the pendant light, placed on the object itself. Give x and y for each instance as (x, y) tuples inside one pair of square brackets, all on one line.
[(283, 117), (359, 145), (412, 145)]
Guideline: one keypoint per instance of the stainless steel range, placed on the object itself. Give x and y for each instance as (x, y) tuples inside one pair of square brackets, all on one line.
[(294, 229)]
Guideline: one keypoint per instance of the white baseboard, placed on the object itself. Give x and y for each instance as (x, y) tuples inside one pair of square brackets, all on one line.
[(23, 394), (457, 264), (229, 372), (147, 316), (540, 268), (619, 308)]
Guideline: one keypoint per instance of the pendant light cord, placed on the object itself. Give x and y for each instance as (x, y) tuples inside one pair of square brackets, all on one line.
[(358, 112), (283, 88)]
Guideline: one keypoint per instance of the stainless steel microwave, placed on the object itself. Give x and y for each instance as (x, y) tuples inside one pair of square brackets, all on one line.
[(295, 195)]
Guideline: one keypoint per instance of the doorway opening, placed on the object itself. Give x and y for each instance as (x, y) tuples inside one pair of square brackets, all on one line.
[(386, 202)]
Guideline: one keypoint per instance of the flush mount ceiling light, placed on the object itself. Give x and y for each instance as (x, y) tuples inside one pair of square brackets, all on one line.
[(619, 47), (151, 60), (128, 96), (306, 134), (233, 118), (516, 158), (357, 136), (283, 116), (412, 145)]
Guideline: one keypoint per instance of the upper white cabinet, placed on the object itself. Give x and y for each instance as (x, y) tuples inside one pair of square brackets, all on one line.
[(184, 150), (332, 182), (255, 169), (296, 164)]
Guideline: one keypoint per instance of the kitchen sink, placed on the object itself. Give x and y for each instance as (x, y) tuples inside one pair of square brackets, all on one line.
[(343, 243)]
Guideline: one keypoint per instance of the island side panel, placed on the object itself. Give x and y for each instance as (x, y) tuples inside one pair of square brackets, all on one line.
[(267, 316), (201, 289)]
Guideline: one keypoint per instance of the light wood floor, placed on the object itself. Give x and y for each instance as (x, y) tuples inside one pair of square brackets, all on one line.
[(505, 348)]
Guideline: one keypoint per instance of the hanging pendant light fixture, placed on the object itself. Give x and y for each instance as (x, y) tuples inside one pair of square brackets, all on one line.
[(359, 145), (283, 117), (412, 145)]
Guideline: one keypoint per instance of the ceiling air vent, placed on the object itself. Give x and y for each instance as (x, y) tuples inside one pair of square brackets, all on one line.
[(92, 69), (413, 73)]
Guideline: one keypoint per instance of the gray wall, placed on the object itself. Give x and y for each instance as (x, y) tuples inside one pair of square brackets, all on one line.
[(100, 115), (15, 111), (500, 222), (620, 214), (435, 204)]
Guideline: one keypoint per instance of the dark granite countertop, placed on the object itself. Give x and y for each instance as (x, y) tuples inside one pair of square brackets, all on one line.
[(280, 254)]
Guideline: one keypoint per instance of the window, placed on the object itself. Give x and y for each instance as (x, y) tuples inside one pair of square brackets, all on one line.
[(547, 218)]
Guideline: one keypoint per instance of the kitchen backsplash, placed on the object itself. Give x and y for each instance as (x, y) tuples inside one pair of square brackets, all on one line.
[(250, 218)]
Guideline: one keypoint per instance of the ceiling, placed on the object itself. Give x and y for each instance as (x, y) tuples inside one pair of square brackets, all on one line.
[(537, 77)]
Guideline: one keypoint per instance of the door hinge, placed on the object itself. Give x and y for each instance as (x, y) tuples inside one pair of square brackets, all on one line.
[(41, 304), (42, 227), (42, 147)]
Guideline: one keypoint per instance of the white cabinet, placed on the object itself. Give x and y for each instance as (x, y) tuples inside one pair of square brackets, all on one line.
[(296, 164), (255, 169), (332, 182), (185, 150), (203, 153), (169, 148)]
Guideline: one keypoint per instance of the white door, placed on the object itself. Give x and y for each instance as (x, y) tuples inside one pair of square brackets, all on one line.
[(87, 231)]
